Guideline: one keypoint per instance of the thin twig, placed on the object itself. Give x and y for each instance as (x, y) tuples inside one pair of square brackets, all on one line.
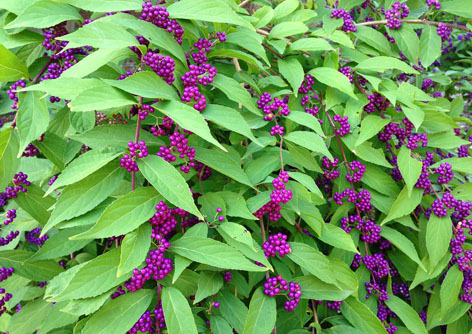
[(273, 51), (426, 22), (244, 3), (136, 138)]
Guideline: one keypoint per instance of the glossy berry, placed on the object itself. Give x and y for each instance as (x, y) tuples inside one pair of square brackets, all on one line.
[(277, 243)]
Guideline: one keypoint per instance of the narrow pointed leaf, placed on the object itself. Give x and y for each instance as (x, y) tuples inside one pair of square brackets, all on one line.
[(177, 312)]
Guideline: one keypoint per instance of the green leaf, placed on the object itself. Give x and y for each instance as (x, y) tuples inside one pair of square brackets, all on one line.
[(370, 126), (335, 236), (86, 306), (233, 310), (309, 140), (210, 283), (114, 135), (57, 149), (188, 118), (82, 167), (222, 162), (458, 7), (94, 61), (285, 8), (124, 215), (107, 5), (236, 205), (404, 204), (249, 40), (235, 92), (381, 64), (168, 182), (310, 44), (438, 237), (430, 45), (120, 314), (11, 67), (415, 115), (100, 98), (445, 140), (79, 198), (213, 253), (92, 279), (406, 314), (407, 41), (230, 119), (331, 77), (101, 34), (59, 244), (402, 243), (35, 204), (292, 70), (219, 325), (261, 315), (44, 14), (361, 316), (65, 88), (365, 151), (313, 261), (177, 312), (237, 232), (463, 165), (82, 121), (146, 84), (303, 157), (206, 10), (308, 182), (285, 29), (151, 32), (374, 39), (134, 249), (37, 270), (32, 118), (450, 288), (410, 168), (314, 288)]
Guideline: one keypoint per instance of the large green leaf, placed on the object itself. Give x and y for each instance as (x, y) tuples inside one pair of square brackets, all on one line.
[(438, 237), (83, 196), (37, 270), (210, 283), (86, 306), (410, 168), (381, 64), (233, 310), (34, 202), (168, 182), (120, 314), (44, 14), (134, 249), (310, 44), (92, 279), (407, 41), (407, 314), (313, 261), (285, 8), (450, 288), (65, 88), (213, 253), (430, 45), (335, 236), (307, 120), (58, 149), (262, 314), (314, 288), (458, 7), (222, 162), (124, 215), (292, 70), (374, 38), (249, 40), (11, 67), (82, 167), (370, 126), (107, 5), (100, 98), (402, 243), (206, 10), (235, 92), (404, 204), (309, 140), (188, 118), (330, 77), (177, 312), (361, 316), (32, 118), (285, 29)]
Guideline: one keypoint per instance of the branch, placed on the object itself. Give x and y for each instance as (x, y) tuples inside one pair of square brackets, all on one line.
[(425, 22), (244, 3)]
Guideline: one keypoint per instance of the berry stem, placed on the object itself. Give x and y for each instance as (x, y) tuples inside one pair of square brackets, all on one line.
[(43, 69), (136, 137)]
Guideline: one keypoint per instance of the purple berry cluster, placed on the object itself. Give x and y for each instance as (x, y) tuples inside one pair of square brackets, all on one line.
[(145, 324), (12, 93), (344, 126), (360, 199), (164, 221), (395, 14), (444, 31), (227, 276), (33, 237), (434, 3), (273, 108), (136, 150), (357, 169), (11, 215), (30, 151), (157, 267), (163, 66), (349, 24), (275, 285), (347, 72), (7, 296), (277, 243), (279, 195), (445, 173), (179, 144), (370, 231), (376, 103), (159, 16)]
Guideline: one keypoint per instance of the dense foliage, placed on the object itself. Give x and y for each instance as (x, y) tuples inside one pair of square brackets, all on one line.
[(220, 166)]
